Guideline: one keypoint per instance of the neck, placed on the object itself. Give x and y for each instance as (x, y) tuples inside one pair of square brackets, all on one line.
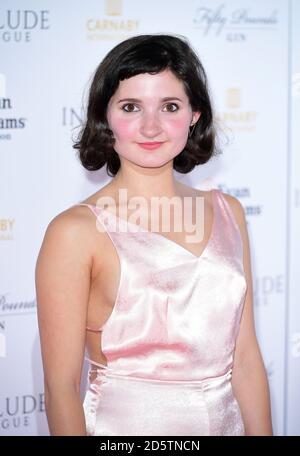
[(147, 182)]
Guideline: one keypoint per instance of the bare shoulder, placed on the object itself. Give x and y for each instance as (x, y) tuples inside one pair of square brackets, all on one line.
[(73, 222), (236, 207), (70, 233), (63, 282), (191, 191), (234, 203), (105, 192), (240, 217)]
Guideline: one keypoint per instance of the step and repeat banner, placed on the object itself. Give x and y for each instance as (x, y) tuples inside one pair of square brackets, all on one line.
[(49, 50)]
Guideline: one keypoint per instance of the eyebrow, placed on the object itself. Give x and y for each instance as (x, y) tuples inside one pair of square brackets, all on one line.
[(135, 100)]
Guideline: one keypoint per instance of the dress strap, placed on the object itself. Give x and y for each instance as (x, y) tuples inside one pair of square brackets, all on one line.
[(231, 233), (89, 328), (226, 210), (90, 206), (103, 366)]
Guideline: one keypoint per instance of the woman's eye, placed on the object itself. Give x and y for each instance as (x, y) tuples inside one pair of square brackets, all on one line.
[(130, 107), (173, 106)]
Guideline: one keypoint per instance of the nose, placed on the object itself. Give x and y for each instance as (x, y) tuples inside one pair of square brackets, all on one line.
[(150, 125)]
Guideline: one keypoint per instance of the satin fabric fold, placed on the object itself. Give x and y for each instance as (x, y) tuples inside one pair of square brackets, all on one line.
[(170, 339)]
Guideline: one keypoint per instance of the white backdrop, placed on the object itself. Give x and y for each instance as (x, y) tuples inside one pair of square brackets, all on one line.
[(48, 53)]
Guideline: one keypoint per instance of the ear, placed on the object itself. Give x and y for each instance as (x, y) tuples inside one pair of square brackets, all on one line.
[(196, 117)]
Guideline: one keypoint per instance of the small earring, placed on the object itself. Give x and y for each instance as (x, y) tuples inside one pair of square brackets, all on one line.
[(192, 130)]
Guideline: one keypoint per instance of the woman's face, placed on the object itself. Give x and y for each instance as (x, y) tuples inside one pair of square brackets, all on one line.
[(150, 108)]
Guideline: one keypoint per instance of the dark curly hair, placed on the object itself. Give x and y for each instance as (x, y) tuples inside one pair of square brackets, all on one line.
[(146, 54)]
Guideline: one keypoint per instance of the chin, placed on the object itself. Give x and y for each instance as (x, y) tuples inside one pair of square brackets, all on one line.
[(153, 164)]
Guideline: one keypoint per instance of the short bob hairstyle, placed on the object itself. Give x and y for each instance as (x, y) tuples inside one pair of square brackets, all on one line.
[(146, 54)]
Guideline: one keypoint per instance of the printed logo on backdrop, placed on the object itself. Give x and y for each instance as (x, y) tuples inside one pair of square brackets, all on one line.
[(235, 115), (266, 288), (9, 307), (21, 26), (112, 23), (238, 192), (7, 229), (9, 122), (295, 339), (2, 339), (71, 117), (17, 412), (234, 24), (250, 208)]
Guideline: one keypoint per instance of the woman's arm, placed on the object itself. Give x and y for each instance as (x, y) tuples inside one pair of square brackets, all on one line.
[(62, 286), (249, 378)]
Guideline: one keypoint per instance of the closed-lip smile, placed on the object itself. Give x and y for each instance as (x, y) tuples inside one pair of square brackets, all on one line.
[(151, 145)]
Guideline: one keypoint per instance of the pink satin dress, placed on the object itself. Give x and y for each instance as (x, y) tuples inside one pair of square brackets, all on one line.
[(170, 339)]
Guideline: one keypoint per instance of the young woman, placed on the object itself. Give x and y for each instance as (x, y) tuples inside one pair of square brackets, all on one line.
[(167, 321)]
